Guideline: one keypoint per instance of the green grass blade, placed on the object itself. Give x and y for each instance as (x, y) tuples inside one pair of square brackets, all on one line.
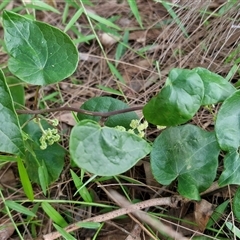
[(43, 177), (74, 19), (134, 9), (110, 90), (4, 4), (175, 17), (53, 214), (19, 208), (122, 47), (89, 225), (83, 191), (65, 13), (40, 5), (103, 21), (115, 72), (64, 234), (233, 229), (27, 186), (232, 72), (84, 39)]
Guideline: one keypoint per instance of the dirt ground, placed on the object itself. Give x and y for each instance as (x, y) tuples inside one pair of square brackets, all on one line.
[(213, 42)]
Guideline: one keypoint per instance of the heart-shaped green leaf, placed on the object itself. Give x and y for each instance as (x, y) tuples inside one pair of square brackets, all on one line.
[(108, 104), (186, 153), (178, 101), (40, 54), (227, 125), (231, 173), (216, 88), (105, 151), (10, 133)]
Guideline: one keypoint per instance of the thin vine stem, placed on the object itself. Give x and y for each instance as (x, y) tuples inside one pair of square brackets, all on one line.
[(78, 110)]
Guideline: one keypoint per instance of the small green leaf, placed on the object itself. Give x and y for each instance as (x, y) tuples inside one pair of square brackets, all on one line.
[(178, 101), (84, 193), (108, 104), (19, 208), (227, 125), (54, 215), (10, 132), (231, 172), (216, 88), (40, 54), (236, 204), (186, 153), (105, 151), (27, 186), (64, 233)]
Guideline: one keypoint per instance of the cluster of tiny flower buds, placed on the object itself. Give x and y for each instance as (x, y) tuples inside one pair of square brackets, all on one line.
[(137, 127), (50, 135)]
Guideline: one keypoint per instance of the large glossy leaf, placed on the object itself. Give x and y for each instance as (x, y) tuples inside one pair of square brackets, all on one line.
[(52, 158), (105, 151), (231, 172), (40, 54), (186, 153), (228, 123), (216, 88), (178, 101), (108, 104), (10, 133)]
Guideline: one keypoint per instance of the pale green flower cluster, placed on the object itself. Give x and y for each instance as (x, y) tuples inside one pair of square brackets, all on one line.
[(49, 137), (137, 127)]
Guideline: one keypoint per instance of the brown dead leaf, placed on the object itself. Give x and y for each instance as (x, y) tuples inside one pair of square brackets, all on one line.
[(7, 177), (6, 229), (202, 212), (67, 118)]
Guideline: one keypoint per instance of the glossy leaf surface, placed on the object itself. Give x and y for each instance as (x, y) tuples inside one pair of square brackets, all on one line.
[(216, 88), (231, 172), (40, 54), (10, 133), (227, 125), (105, 151), (178, 101), (186, 153)]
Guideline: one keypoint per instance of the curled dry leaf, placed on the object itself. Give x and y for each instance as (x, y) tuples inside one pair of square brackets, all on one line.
[(108, 39)]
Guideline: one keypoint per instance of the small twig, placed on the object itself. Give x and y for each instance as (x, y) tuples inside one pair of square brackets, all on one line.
[(169, 201), (78, 110)]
